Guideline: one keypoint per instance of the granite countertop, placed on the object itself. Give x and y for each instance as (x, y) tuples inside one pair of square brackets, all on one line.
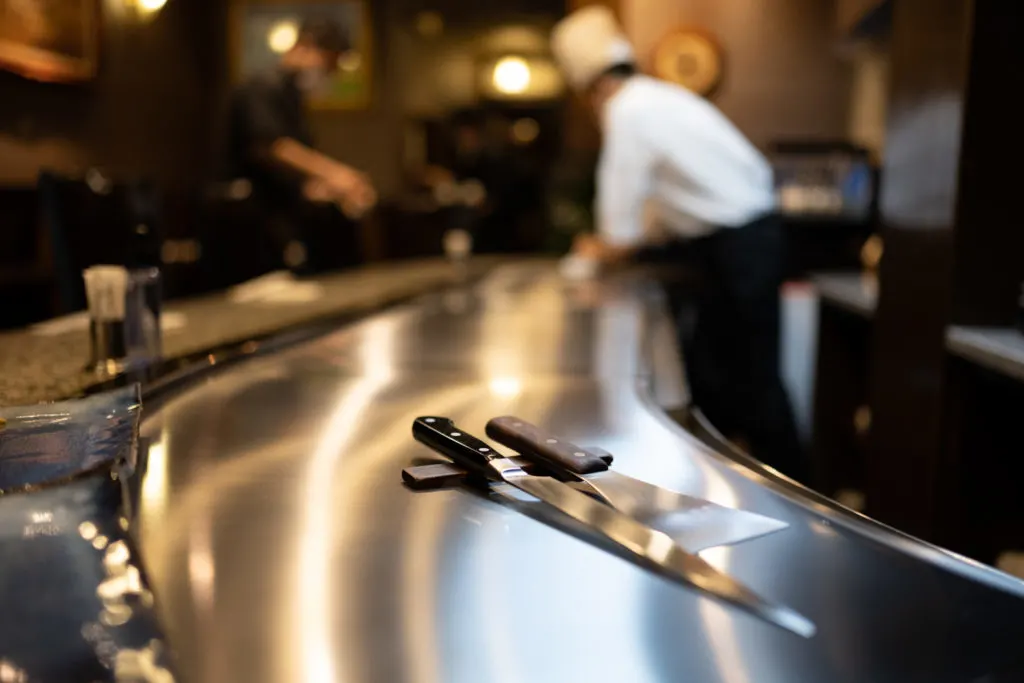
[(47, 362), (853, 291)]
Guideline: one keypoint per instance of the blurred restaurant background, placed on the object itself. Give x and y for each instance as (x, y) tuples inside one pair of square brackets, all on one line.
[(889, 170), (142, 109)]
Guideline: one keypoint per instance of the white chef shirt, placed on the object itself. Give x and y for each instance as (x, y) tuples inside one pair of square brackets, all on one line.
[(671, 147)]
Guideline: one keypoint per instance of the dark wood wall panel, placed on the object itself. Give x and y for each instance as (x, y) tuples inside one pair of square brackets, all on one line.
[(151, 110), (990, 241), (949, 210), (841, 373), (930, 52)]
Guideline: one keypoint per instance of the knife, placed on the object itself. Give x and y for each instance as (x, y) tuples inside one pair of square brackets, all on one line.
[(694, 523), (647, 547)]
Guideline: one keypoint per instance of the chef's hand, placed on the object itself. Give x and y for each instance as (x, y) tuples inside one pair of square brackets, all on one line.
[(588, 246), (342, 180), (316, 190), (353, 190), (594, 248), (359, 200)]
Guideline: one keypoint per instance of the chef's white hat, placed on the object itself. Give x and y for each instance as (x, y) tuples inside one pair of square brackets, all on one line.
[(589, 42)]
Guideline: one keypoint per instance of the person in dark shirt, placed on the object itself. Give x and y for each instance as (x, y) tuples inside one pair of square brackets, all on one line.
[(270, 141), (479, 155)]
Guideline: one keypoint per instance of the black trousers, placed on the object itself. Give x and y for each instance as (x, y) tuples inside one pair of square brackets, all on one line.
[(330, 238), (730, 339)]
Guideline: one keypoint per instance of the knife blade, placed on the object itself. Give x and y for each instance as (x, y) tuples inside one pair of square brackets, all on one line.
[(694, 523), (647, 547)]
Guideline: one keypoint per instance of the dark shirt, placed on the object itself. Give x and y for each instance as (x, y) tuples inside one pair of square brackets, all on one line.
[(267, 108)]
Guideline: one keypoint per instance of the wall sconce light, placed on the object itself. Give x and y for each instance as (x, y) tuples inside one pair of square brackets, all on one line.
[(518, 77), (282, 36), (512, 76), (146, 7)]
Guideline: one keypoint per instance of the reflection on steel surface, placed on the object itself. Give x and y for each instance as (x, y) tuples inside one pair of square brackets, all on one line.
[(142, 665), (432, 588), (73, 594)]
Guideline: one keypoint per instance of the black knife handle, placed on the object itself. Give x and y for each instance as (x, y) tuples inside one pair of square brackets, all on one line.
[(531, 441), (465, 450)]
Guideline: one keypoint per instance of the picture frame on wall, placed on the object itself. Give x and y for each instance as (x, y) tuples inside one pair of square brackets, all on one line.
[(264, 29), (50, 40)]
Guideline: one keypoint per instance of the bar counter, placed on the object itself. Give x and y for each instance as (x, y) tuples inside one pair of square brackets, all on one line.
[(284, 546), (281, 544)]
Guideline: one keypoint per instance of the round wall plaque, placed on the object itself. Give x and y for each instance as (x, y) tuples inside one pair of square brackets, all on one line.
[(691, 58)]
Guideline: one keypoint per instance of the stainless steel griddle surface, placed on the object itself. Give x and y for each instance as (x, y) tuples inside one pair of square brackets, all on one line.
[(283, 546)]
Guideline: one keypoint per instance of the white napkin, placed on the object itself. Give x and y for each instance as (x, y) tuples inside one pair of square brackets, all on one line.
[(279, 287), (575, 267)]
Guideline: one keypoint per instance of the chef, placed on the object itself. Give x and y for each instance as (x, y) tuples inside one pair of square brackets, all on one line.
[(670, 154), (270, 142)]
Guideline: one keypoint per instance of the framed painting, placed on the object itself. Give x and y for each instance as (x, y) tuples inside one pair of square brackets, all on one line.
[(50, 40), (264, 30)]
